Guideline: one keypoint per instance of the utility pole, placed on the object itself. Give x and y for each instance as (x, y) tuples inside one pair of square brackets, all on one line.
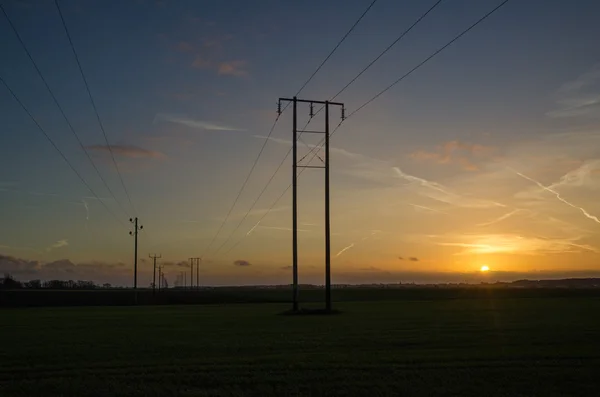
[(192, 274), (159, 277), (135, 234), (326, 167), (195, 261), (154, 257)]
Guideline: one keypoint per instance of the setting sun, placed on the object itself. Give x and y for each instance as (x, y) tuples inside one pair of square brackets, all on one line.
[(484, 268)]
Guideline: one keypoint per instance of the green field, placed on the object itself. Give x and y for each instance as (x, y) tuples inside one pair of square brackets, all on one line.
[(486, 346)]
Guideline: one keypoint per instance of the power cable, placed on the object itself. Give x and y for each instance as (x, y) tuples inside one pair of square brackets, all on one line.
[(43, 131), (377, 96), (108, 145), (62, 112)]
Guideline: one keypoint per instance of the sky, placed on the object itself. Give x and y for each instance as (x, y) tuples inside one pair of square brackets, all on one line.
[(488, 154)]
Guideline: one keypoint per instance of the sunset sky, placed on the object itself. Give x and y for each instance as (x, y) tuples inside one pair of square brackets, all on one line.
[(489, 154)]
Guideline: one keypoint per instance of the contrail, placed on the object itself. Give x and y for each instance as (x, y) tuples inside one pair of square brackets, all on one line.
[(87, 212), (422, 182), (344, 250), (373, 232), (427, 208), (253, 227), (500, 219), (583, 211)]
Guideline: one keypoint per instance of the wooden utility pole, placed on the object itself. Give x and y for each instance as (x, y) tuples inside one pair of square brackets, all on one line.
[(196, 262), (154, 258), (135, 252)]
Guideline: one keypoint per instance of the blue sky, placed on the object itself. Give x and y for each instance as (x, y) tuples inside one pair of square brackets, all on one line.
[(444, 167)]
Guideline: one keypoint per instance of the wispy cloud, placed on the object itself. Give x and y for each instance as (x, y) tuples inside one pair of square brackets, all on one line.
[(514, 244), (437, 191), (580, 97), (236, 68), (410, 258), (333, 150), (189, 122), (455, 152), (128, 151), (580, 176), (185, 46), (58, 244), (200, 62)]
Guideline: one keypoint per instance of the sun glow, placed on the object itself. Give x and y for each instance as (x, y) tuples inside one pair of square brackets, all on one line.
[(485, 268)]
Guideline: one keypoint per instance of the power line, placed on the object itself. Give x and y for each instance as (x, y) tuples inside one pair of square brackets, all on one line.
[(43, 131), (336, 47), (483, 18), (271, 132), (375, 97), (342, 90), (39, 72), (87, 87), (389, 47), (237, 197)]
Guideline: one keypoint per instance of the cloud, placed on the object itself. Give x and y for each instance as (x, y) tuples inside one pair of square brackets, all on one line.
[(128, 151), (454, 152), (99, 272), (580, 97), (216, 41), (185, 46), (233, 68), (17, 266), (189, 122), (58, 244), (514, 244), (437, 191), (410, 258), (175, 264), (242, 263), (201, 63), (580, 176)]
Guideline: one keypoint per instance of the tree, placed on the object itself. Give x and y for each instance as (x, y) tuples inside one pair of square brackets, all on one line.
[(8, 282), (33, 284)]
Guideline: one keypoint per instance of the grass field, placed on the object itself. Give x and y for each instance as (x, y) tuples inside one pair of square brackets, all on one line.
[(487, 346)]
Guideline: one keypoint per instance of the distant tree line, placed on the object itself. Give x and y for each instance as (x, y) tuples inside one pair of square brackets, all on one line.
[(9, 282)]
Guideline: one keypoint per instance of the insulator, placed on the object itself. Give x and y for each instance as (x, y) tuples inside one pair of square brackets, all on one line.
[(343, 113), (312, 110), (278, 107)]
